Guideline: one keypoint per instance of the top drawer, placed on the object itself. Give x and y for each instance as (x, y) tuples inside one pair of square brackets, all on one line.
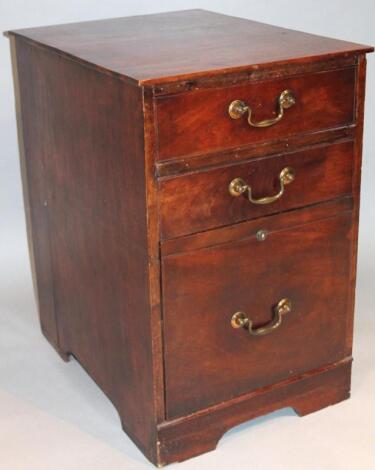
[(199, 122)]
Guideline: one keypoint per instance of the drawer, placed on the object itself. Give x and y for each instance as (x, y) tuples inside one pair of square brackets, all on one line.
[(304, 258), (200, 201), (198, 122)]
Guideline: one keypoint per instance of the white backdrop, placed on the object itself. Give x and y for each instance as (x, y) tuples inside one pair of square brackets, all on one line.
[(51, 413)]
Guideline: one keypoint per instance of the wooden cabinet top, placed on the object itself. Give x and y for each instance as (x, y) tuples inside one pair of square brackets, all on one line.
[(164, 47)]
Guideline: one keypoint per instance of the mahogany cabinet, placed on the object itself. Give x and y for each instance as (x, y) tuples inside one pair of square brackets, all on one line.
[(191, 185)]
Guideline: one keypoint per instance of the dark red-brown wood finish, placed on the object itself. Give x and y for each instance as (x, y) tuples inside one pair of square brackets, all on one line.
[(197, 122), (91, 199), (200, 201), (184, 45), (141, 255), (252, 276)]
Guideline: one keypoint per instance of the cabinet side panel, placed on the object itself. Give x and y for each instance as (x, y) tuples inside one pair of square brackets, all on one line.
[(356, 187), (30, 135), (88, 130)]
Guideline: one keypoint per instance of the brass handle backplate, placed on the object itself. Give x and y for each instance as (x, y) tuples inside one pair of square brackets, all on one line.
[(238, 186), (238, 108), (241, 320)]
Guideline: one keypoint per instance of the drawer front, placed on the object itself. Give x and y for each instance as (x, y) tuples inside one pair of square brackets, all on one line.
[(207, 361), (198, 122), (201, 201)]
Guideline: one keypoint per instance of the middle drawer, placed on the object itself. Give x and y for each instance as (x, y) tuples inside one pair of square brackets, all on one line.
[(200, 201)]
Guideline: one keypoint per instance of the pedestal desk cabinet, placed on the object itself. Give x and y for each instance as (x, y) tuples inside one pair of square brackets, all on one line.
[(191, 184)]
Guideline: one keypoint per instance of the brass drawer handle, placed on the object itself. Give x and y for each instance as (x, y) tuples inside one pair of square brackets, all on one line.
[(240, 319), (238, 108), (238, 186)]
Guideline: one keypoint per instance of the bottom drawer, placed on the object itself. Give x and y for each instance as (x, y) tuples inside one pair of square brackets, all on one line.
[(303, 256)]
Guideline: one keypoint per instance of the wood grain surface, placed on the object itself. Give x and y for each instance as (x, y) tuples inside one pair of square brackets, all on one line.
[(84, 147), (183, 44), (201, 200), (198, 122), (140, 256), (202, 289)]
